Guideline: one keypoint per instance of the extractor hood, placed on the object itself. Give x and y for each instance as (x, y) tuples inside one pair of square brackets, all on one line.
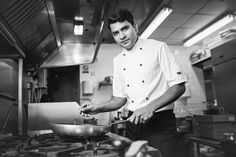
[(41, 31)]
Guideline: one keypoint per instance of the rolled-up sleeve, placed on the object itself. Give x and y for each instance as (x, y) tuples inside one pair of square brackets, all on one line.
[(169, 66)]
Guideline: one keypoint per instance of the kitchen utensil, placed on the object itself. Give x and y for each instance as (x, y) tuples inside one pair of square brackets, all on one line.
[(83, 129)]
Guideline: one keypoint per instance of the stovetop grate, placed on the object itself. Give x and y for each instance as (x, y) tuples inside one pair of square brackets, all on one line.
[(52, 145)]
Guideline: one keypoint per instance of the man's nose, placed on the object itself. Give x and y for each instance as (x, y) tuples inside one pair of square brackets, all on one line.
[(122, 35)]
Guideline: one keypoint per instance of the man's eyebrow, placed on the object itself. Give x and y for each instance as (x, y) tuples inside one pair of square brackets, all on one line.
[(125, 26)]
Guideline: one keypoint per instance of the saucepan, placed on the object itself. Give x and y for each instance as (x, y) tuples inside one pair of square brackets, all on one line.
[(87, 130)]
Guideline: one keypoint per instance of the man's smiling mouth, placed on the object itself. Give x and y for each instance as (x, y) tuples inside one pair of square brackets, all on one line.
[(125, 41)]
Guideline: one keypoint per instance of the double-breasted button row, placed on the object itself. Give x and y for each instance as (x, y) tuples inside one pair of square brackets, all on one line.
[(129, 85), (132, 101), (124, 68), (139, 65), (139, 49)]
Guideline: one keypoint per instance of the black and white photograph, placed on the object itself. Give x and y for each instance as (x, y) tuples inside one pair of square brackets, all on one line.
[(117, 78)]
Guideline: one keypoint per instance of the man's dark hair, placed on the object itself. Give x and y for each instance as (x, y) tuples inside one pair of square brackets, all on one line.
[(120, 16)]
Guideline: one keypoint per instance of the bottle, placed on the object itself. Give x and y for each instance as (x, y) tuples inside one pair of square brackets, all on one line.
[(215, 103)]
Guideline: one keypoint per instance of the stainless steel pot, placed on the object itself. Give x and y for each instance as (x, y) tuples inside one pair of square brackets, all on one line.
[(82, 130)]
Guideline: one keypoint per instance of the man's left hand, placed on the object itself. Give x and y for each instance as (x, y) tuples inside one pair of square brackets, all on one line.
[(142, 115)]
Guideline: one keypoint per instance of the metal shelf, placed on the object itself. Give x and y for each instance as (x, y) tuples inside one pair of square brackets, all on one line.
[(204, 58), (201, 60)]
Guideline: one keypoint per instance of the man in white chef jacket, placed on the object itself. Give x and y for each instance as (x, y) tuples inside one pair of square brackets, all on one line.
[(148, 78)]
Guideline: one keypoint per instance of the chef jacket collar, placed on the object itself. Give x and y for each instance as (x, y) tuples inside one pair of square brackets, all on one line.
[(136, 45)]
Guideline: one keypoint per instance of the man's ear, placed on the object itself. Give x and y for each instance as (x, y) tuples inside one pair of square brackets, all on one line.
[(136, 27)]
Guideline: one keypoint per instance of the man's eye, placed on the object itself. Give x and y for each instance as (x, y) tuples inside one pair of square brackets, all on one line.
[(115, 34)]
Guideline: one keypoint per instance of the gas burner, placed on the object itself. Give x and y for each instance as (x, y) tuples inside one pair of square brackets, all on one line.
[(91, 153), (9, 142), (52, 145), (99, 150), (13, 153)]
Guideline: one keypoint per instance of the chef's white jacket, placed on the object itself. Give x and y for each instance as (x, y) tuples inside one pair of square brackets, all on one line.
[(145, 73)]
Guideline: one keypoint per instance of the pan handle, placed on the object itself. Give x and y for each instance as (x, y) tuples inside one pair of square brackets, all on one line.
[(118, 122)]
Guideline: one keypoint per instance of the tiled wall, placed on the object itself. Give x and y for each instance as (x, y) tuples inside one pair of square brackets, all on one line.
[(195, 104), (103, 67), (97, 71)]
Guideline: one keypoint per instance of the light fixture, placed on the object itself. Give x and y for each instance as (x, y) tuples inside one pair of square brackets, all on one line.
[(78, 25), (212, 28), (160, 17)]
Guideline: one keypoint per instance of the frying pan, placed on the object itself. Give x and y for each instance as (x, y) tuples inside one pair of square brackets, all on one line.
[(87, 130)]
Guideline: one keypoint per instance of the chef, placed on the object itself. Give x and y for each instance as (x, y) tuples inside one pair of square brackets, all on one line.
[(148, 79)]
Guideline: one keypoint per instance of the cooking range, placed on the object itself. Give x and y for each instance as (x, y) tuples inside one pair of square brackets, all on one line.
[(41, 141), (49, 145), (53, 145)]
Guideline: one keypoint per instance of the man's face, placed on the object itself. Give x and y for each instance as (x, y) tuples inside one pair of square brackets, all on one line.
[(124, 34)]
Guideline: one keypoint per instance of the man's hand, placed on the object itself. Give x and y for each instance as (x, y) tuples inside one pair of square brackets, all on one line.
[(142, 115), (88, 108)]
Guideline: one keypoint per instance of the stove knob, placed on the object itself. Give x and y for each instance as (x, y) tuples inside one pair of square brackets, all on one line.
[(119, 144)]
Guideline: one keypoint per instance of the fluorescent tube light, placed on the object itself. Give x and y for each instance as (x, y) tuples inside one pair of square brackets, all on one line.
[(78, 26), (217, 25), (160, 17)]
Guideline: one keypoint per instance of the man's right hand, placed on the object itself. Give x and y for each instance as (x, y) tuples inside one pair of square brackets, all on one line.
[(88, 108)]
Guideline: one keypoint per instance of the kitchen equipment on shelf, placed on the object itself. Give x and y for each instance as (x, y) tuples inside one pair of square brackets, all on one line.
[(214, 126), (108, 79)]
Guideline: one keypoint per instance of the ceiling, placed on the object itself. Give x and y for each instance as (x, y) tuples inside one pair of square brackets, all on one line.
[(37, 30), (191, 16)]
